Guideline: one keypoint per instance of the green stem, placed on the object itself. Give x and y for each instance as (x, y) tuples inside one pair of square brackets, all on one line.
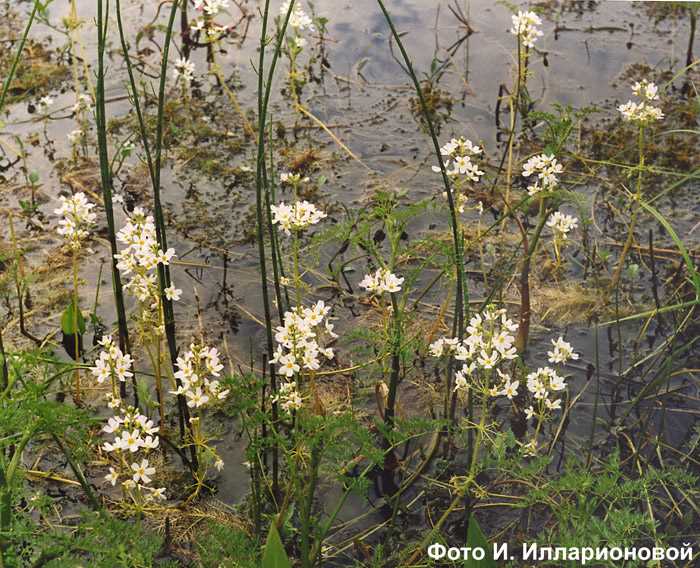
[(635, 214), (18, 54), (106, 179)]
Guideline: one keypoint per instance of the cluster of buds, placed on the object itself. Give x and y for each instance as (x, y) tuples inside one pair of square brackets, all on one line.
[(642, 112), (194, 370), (547, 168), (525, 27), (134, 439), (76, 218), (296, 217), (141, 257)]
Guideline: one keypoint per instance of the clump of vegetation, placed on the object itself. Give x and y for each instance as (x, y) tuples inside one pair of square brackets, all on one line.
[(409, 375)]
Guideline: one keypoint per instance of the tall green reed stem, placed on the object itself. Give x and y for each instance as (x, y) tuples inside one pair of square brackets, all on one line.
[(153, 160), (261, 193), (106, 178)]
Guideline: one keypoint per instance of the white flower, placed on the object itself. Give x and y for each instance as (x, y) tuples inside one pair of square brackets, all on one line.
[(298, 20), (525, 27), (642, 112), (546, 167), (172, 293), (561, 224), (562, 351), (112, 476), (45, 103), (183, 69), (459, 152), (76, 218), (288, 396), (75, 136), (211, 7), (510, 389), (84, 102), (142, 471), (383, 280), (296, 217), (219, 464)]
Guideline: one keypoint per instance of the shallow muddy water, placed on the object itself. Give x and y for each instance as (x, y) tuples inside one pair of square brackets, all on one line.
[(364, 97)]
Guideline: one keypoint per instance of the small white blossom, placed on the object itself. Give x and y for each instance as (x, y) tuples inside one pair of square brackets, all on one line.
[(383, 280), (562, 224), (525, 27), (76, 217)]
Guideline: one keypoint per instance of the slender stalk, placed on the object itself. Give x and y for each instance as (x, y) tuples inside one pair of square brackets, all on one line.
[(264, 90), (462, 295), (523, 334), (18, 54), (106, 179), (76, 331), (635, 214)]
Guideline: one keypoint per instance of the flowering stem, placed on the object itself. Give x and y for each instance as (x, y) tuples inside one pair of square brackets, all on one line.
[(522, 337), (635, 213), (264, 89), (76, 331)]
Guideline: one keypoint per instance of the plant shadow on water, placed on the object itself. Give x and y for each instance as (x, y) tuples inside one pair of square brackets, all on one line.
[(378, 429)]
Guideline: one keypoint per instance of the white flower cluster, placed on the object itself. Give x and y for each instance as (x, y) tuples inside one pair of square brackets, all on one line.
[(525, 27), (296, 217), (642, 111), (45, 103), (545, 382), (133, 434), (547, 168), (292, 178), (76, 217), (193, 370), (141, 256), (210, 7), (288, 396), (75, 136), (112, 364), (183, 70), (83, 103), (383, 280), (208, 10), (488, 345), (301, 340), (298, 19), (458, 153), (561, 224)]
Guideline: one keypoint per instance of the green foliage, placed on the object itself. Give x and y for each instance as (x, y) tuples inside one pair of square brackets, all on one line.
[(274, 555)]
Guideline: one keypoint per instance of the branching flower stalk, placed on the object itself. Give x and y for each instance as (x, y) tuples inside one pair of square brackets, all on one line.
[(642, 114)]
